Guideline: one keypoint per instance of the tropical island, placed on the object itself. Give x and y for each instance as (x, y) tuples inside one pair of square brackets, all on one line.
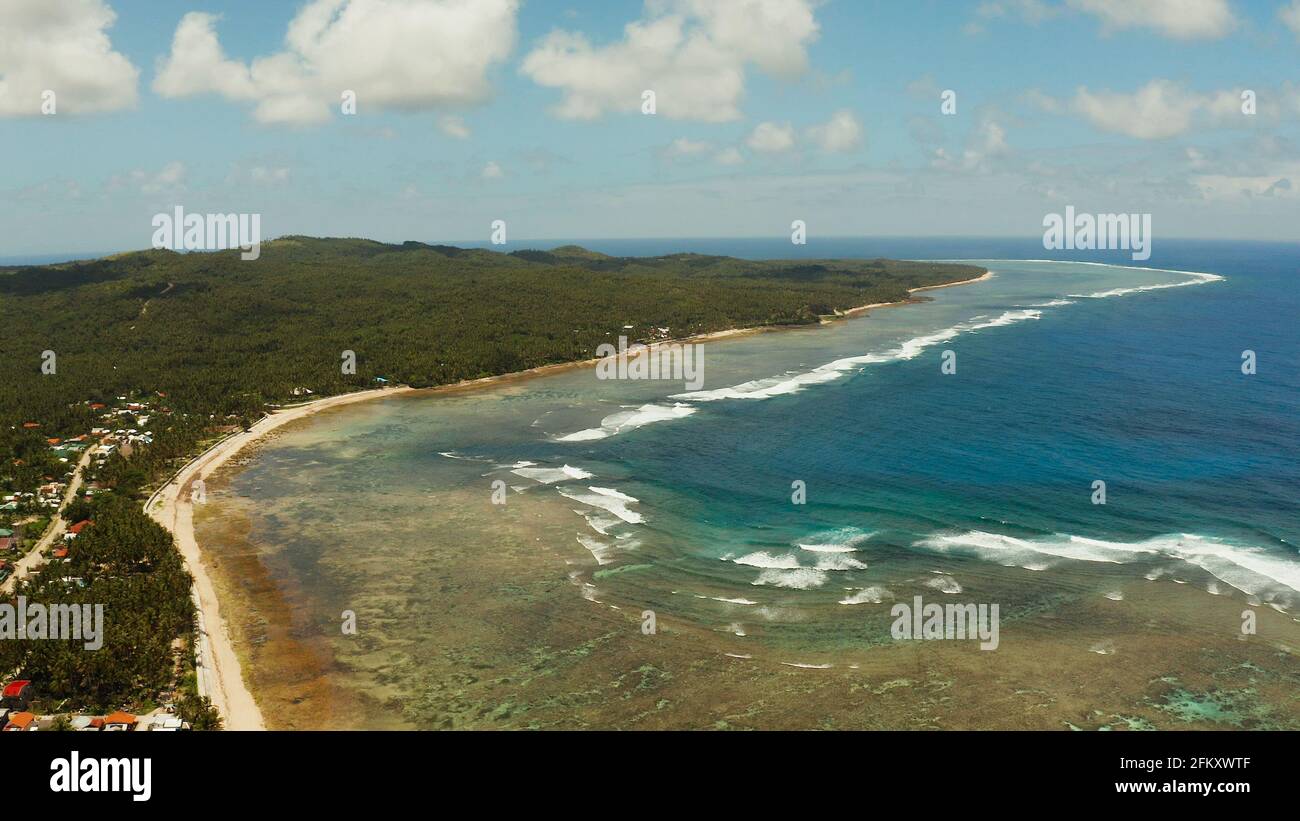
[(121, 371)]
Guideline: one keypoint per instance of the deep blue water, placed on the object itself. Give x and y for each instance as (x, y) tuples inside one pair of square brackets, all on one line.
[(1144, 392), (977, 476)]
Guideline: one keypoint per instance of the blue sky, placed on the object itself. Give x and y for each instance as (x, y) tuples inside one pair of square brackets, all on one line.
[(768, 111)]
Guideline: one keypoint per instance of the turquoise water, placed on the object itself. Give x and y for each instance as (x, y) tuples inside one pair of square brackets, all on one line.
[(977, 484)]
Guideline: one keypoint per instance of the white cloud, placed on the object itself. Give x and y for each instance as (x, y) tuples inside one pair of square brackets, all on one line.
[(1227, 187), (268, 176), (171, 177), (683, 147), (988, 142), (453, 126), (492, 171), (729, 156), (1290, 16), (842, 132), (1031, 11), (693, 54), (1158, 110), (62, 46), (1179, 19), (771, 138), (394, 54)]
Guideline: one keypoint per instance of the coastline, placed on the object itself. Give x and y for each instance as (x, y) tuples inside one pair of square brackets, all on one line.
[(219, 665), (219, 669), (862, 309)]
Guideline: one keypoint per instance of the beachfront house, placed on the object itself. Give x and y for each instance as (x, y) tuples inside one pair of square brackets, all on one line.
[(17, 695), (20, 722), (119, 722)]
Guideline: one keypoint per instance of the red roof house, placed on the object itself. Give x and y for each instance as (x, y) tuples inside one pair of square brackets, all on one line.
[(14, 689)]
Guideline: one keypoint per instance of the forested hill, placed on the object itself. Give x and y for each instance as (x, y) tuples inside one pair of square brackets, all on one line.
[(216, 334)]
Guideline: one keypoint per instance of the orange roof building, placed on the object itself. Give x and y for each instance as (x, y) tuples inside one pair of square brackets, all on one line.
[(20, 721), (119, 718)]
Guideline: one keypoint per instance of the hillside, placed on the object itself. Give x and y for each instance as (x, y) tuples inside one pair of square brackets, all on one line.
[(220, 335)]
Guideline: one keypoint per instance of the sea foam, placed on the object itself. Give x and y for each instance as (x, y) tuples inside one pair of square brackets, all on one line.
[(550, 475), (606, 499), (840, 540), (909, 349), (1253, 570), (624, 420)]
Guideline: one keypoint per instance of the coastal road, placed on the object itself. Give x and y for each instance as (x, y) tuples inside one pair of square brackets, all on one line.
[(33, 557)]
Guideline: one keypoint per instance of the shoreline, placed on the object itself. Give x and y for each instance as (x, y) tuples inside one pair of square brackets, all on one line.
[(862, 309), (218, 665), (219, 670)]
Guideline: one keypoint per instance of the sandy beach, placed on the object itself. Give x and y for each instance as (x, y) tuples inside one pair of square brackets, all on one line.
[(221, 676), (862, 309), (171, 507)]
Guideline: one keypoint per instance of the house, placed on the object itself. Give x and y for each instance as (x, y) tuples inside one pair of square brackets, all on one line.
[(83, 724), (19, 722), (75, 530), (17, 695), (119, 722), (8, 542), (163, 723), (61, 552), (30, 425)]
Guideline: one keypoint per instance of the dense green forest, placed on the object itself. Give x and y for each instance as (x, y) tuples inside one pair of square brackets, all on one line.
[(220, 335), (203, 340)]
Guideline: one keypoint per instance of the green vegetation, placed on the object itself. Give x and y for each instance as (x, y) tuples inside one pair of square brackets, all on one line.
[(204, 341), (220, 335), (127, 563)]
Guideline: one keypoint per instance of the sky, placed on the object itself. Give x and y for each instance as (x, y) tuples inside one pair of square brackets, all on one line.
[(533, 112)]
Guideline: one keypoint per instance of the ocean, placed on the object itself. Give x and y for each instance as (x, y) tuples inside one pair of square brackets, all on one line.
[(1073, 441)]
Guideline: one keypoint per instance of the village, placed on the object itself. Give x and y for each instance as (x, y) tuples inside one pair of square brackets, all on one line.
[(16, 700), (39, 526), (35, 515)]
